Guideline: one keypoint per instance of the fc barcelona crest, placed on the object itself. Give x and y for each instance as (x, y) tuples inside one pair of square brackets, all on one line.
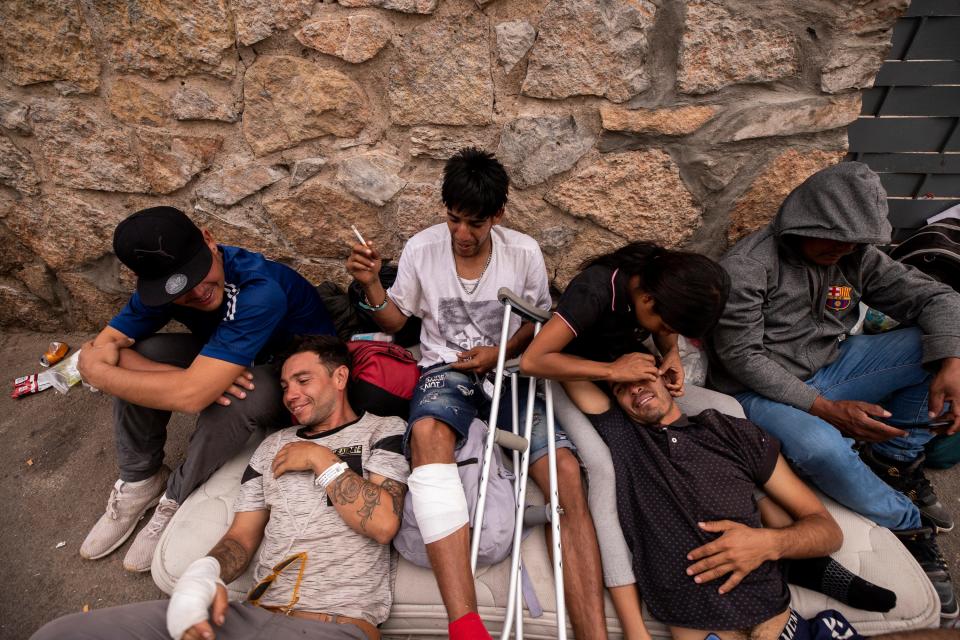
[(838, 298)]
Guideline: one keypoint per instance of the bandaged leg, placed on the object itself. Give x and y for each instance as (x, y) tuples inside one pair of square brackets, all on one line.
[(193, 595), (438, 501)]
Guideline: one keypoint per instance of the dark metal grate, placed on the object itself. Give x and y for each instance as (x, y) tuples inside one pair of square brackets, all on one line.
[(909, 127)]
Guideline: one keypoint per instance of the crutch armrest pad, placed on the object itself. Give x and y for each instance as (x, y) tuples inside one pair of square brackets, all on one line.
[(521, 307)]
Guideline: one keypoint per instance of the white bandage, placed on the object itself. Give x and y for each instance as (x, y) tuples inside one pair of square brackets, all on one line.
[(192, 596), (438, 500)]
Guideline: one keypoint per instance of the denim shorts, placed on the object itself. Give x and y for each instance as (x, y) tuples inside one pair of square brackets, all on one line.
[(455, 398)]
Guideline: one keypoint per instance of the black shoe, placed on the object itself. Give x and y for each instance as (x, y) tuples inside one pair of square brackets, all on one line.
[(922, 545), (908, 478)]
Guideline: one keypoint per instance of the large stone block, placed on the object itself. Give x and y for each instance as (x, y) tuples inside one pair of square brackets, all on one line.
[(86, 150), (441, 74), (637, 194), (442, 142), (259, 19), (316, 221), (192, 102), (404, 6), (63, 229), (355, 38), (16, 168), (720, 48), (170, 161), (288, 100), (417, 207), (21, 308), (590, 47), (677, 121), (373, 177), (90, 306), (807, 115), (229, 186), (135, 103), (48, 40), (534, 149), (760, 203), (514, 40), (163, 38)]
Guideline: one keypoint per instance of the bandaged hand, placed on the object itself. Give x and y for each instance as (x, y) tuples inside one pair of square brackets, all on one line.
[(199, 587)]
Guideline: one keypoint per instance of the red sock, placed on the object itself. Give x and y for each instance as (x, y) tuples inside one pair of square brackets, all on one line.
[(468, 627)]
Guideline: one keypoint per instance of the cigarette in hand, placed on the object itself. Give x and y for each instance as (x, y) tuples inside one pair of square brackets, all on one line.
[(356, 232)]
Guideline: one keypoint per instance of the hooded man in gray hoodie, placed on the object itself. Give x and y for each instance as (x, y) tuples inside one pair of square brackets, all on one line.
[(783, 348)]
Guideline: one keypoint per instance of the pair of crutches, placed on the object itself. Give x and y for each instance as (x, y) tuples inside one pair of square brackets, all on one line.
[(520, 446)]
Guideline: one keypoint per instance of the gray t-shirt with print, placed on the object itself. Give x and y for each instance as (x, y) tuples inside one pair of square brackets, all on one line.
[(346, 573)]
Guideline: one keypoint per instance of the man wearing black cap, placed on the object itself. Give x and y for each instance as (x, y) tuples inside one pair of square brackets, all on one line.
[(240, 309)]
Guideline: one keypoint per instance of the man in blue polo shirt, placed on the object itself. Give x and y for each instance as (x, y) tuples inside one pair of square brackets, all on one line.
[(240, 309)]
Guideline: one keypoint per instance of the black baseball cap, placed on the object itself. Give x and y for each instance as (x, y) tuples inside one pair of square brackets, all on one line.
[(166, 251)]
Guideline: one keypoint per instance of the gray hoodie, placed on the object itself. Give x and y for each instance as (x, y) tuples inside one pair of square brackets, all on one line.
[(786, 317)]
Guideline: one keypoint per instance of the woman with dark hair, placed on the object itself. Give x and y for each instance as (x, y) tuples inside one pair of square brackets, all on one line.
[(597, 332)]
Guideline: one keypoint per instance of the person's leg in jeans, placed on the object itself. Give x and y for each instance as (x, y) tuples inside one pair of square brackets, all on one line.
[(139, 436), (221, 432), (441, 410), (582, 576)]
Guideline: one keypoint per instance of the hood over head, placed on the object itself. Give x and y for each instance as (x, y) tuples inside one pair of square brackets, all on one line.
[(844, 202)]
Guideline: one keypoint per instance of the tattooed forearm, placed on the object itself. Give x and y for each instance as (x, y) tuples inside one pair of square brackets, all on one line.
[(233, 559), (371, 499), (347, 488), (397, 491)]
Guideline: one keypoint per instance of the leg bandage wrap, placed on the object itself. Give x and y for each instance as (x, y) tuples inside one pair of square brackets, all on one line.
[(438, 500), (192, 596)]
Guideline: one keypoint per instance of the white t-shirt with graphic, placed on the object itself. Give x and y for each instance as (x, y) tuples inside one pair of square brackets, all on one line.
[(453, 320)]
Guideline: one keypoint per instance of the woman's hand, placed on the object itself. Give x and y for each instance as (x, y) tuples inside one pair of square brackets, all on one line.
[(671, 370)]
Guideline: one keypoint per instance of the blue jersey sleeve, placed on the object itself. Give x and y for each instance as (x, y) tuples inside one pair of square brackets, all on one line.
[(136, 320), (250, 318)]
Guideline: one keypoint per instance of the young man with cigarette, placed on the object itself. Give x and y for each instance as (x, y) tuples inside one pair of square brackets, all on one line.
[(448, 276), (240, 310), (318, 506)]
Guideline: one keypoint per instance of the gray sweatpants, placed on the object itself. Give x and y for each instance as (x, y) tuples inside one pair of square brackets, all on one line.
[(222, 431), (601, 487), (148, 621)]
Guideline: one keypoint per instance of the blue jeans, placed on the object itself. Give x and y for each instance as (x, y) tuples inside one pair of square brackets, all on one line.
[(456, 398), (884, 369)]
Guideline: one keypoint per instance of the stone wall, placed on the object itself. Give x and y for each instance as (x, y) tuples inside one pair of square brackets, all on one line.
[(278, 123)]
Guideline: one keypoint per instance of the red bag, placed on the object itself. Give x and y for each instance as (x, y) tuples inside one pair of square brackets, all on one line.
[(382, 378)]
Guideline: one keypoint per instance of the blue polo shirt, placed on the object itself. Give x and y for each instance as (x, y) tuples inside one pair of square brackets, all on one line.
[(265, 303)]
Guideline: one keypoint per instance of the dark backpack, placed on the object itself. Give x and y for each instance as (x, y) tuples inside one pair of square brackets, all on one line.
[(382, 378), (935, 250)]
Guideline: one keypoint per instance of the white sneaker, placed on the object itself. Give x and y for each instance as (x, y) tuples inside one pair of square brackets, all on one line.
[(140, 554), (125, 507)]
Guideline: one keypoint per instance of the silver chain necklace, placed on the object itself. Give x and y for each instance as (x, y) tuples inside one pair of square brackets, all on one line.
[(476, 284)]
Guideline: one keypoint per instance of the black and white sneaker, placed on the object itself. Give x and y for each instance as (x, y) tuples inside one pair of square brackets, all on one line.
[(908, 478), (922, 545)]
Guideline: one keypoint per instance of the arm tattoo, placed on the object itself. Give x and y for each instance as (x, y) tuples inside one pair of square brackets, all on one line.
[(371, 499), (397, 492), (347, 488), (233, 559)]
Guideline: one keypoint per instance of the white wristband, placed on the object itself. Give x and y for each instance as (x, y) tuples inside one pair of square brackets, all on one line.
[(331, 473)]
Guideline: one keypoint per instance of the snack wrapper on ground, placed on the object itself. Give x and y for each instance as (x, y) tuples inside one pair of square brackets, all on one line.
[(61, 377)]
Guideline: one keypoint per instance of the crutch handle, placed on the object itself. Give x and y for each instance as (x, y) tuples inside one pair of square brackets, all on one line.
[(509, 440), (521, 307), (536, 514)]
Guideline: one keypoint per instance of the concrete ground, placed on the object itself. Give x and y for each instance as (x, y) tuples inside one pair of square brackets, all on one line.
[(58, 465)]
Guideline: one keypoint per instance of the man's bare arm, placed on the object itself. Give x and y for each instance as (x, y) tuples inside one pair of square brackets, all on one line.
[(740, 549), (239, 543), (370, 507), (588, 397), (187, 390)]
